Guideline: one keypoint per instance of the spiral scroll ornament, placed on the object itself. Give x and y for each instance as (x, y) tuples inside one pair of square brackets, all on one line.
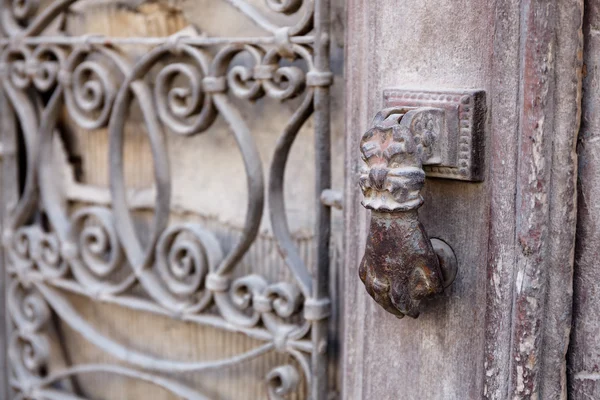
[(185, 254), (282, 381), (48, 256), (29, 353), (98, 244), (180, 99), (31, 247), (242, 80), (19, 245), (40, 66), (15, 62), (90, 88), (284, 82), (253, 292), (183, 93), (268, 76), (27, 308), (29, 348), (285, 299), (46, 63)]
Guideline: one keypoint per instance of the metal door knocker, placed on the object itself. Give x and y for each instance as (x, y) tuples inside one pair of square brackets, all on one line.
[(401, 266)]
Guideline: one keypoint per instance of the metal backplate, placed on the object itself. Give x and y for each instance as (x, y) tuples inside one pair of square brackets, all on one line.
[(462, 152)]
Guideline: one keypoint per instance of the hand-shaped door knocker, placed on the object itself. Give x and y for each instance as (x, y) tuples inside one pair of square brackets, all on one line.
[(401, 266)]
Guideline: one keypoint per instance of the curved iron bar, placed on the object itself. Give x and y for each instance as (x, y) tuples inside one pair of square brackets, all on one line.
[(141, 259), (172, 386), (54, 204), (306, 23), (254, 210), (250, 156), (255, 182), (279, 223), (12, 28), (304, 362), (70, 316), (27, 115), (302, 27)]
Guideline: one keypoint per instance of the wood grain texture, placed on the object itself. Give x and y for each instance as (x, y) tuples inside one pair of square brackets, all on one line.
[(563, 198), (386, 358), (584, 348), (532, 199), (502, 330), (545, 220), (502, 161)]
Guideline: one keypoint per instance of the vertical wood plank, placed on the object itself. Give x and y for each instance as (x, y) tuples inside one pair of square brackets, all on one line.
[(584, 349), (503, 186), (563, 198), (533, 193)]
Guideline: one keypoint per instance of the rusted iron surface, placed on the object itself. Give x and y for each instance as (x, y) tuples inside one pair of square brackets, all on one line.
[(399, 267)]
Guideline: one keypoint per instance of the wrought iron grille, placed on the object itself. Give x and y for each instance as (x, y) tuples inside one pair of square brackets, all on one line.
[(185, 274)]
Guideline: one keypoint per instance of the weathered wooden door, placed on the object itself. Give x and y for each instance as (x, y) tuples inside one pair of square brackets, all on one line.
[(163, 164), (513, 324)]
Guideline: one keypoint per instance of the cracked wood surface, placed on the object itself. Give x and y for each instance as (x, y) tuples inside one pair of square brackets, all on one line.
[(584, 349), (503, 330)]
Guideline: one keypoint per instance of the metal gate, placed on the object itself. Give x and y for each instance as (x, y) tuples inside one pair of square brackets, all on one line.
[(180, 270)]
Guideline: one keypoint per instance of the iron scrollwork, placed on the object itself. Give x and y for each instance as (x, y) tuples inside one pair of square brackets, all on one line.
[(182, 269)]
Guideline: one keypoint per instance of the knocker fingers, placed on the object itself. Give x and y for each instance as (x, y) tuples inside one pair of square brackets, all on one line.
[(378, 287)]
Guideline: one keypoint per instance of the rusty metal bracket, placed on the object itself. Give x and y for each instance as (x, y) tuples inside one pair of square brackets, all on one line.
[(402, 266)]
